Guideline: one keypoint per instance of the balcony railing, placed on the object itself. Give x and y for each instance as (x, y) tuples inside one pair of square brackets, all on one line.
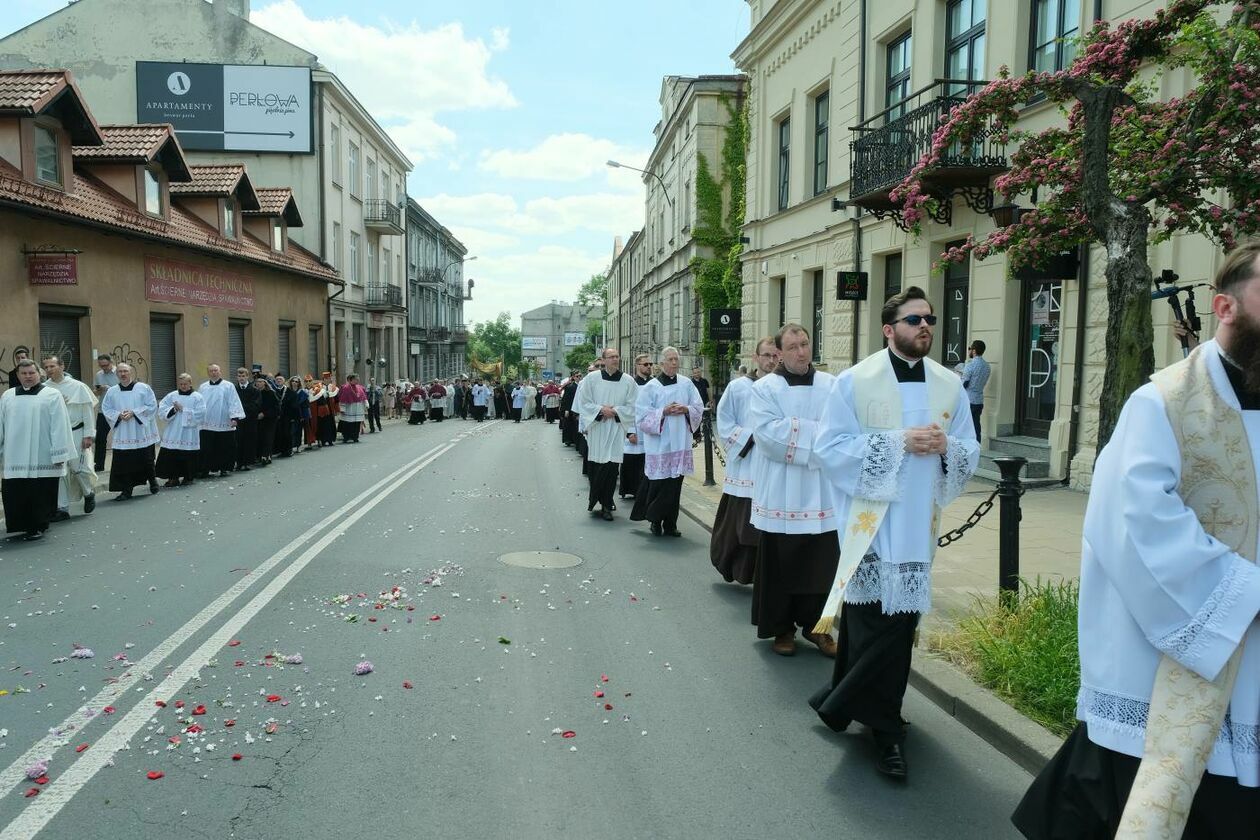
[(459, 334), (888, 145), (383, 216), (383, 297)]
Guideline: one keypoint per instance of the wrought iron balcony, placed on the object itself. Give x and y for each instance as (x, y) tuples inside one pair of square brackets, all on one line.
[(459, 334), (383, 297), (383, 216), (888, 145)]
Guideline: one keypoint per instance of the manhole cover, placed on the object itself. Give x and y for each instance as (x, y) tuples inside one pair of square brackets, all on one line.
[(540, 559)]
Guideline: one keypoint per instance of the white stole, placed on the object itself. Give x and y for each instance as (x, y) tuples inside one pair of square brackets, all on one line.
[(877, 404)]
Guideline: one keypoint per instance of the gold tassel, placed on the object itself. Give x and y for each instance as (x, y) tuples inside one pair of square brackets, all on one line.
[(825, 624)]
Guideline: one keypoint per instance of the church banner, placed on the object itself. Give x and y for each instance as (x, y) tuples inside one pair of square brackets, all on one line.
[(169, 281)]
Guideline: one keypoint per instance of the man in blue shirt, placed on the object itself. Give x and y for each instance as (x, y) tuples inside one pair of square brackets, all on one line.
[(975, 375)]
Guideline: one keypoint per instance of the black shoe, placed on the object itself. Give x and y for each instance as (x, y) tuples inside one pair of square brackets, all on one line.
[(153, 488), (89, 503), (892, 762), (673, 532), (223, 473), (59, 516), (32, 536), (656, 528), (123, 496), (607, 514), (242, 469)]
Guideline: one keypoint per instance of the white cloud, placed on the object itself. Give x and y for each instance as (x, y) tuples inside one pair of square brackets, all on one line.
[(562, 157), (522, 281), (610, 213), (404, 75)]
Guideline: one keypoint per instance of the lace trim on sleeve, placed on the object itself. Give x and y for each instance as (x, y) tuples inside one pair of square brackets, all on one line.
[(1127, 716), (898, 587), (880, 479), (953, 479), (1187, 643)]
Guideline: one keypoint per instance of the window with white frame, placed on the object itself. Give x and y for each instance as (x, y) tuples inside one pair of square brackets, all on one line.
[(336, 246), (334, 152), (1055, 26), (152, 193), (785, 161), (47, 155), (356, 275), (352, 165), (822, 118)]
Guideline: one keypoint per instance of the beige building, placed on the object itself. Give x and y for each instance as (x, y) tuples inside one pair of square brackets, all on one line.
[(818, 204), (624, 272), (350, 184), (111, 243), (663, 306)]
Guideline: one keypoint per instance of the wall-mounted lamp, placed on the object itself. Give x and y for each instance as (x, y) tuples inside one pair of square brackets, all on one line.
[(1005, 215)]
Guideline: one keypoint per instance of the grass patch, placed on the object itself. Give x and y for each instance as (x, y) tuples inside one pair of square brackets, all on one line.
[(1025, 653)]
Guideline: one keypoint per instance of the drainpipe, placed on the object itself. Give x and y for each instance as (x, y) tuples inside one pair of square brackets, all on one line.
[(857, 222), (323, 229)]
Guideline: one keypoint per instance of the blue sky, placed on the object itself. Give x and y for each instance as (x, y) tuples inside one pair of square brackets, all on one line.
[(509, 108)]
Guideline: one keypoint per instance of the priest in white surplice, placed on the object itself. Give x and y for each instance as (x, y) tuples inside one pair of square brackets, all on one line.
[(605, 403), (898, 444), (130, 408), (79, 482), (733, 546), (183, 411), (1170, 594), (632, 478), (792, 507), (35, 444), (217, 445), (667, 414)]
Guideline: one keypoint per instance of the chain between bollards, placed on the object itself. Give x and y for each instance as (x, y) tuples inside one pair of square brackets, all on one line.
[(706, 429), (1009, 490)]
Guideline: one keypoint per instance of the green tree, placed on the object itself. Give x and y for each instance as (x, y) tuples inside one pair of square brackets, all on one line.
[(720, 208), (593, 294), (579, 357), (490, 340), (1129, 167)]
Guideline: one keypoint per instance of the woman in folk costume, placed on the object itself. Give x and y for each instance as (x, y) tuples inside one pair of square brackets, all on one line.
[(667, 413), (324, 404), (1169, 703), (310, 430), (353, 400), (182, 410), (130, 408)]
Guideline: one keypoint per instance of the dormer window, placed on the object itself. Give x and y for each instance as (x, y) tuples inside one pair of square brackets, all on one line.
[(277, 235), (47, 155), (152, 193), (229, 218)]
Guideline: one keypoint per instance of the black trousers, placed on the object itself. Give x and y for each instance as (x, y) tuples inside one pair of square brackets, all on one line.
[(479, 412), (98, 446), (976, 408), (29, 503), (664, 497), (603, 480), (374, 417), (246, 441)]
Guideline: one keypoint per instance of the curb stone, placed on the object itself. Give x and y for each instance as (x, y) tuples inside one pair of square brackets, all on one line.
[(1019, 738)]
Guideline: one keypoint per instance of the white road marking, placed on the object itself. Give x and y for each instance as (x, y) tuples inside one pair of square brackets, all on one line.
[(59, 793), (45, 748)]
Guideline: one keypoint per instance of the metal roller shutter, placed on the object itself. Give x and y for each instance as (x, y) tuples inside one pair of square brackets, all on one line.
[(162, 356), (286, 333), (59, 336), (312, 352), (236, 347)]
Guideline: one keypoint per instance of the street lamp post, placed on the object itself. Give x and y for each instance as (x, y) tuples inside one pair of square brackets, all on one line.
[(664, 190)]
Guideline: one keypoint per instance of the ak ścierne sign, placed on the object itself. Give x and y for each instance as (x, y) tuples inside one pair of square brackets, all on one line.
[(169, 281)]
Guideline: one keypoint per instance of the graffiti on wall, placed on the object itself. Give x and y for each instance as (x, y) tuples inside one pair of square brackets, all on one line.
[(123, 353)]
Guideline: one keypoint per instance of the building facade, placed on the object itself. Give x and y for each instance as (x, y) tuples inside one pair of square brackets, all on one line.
[(623, 274), (550, 332), (437, 334), (92, 216), (349, 187), (663, 304), (818, 204)]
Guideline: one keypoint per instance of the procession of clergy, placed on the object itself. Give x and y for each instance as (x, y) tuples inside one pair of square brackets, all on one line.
[(831, 508)]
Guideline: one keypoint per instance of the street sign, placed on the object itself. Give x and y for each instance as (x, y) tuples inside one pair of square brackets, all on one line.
[(724, 324), (852, 285)]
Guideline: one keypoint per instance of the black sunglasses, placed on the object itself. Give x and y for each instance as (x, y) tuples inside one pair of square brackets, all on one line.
[(915, 320)]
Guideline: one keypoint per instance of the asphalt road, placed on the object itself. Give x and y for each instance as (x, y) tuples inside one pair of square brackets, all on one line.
[(481, 670)]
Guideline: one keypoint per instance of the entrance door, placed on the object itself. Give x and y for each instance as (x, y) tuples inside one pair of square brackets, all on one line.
[(953, 332), (59, 336), (1039, 356)]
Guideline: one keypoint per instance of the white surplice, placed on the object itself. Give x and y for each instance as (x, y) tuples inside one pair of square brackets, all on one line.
[(139, 431), (790, 493), (667, 438), (897, 569), (1154, 583), (35, 437), (734, 431), (183, 428), (606, 437), (635, 448), (222, 405), (80, 477)]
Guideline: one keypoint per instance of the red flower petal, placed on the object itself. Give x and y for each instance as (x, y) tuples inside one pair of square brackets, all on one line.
[(109, 710), (273, 698), (406, 684), (603, 678), (154, 775), (81, 748), (411, 608), (608, 707), (272, 728), (236, 756), (179, 704), (42, 780), (599, 694), (372, 618), (234, 643), (31, 792), (230, 722), (200, 710), (239, 663), (193, 730), (568, 733), (161, 704), (435, 618)]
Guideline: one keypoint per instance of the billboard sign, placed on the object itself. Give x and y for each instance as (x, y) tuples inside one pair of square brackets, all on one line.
[(169, 281), (724, 324), (536, 343), (52, 270), (574, 339), (228, 107)]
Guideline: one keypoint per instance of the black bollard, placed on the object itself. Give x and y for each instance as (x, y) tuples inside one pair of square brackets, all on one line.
[(1009, 491), (706, 429)]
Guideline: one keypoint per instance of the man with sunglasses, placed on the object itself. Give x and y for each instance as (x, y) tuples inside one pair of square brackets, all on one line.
[(975, 375), (898, 445)]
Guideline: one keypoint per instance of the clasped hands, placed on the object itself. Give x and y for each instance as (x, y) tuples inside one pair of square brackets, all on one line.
[(926, 440), (675, 409)]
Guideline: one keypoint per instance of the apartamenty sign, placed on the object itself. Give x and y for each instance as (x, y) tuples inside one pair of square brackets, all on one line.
[(228, 107), (724, 324), (52, 270), (168, 281), (534, 342)]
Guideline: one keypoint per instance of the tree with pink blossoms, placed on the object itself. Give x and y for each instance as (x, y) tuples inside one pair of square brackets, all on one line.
[(1128, 169)]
